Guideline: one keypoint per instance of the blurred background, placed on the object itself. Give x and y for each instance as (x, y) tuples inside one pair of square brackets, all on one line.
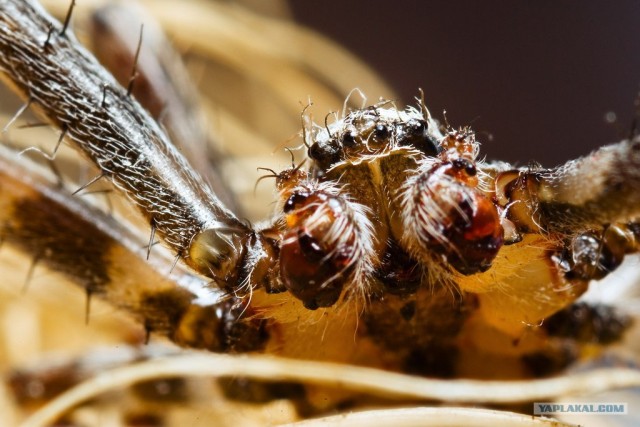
[(539, 77)]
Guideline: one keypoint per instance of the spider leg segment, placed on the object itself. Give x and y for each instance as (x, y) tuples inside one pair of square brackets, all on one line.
[(577, 222), (65, 83), (591, 205), (106, 261), (162, 86), (587, 193)]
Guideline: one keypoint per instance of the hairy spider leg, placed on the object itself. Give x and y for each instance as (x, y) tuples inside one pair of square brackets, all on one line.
[(98, 254), (162, 87), (598, 189), (131, 149), (575, 224)]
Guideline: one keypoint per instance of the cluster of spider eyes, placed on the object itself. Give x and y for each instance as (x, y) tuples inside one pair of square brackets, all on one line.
[(373, 139)]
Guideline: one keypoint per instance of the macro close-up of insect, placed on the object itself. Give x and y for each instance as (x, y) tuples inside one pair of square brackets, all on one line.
[(205, 220)]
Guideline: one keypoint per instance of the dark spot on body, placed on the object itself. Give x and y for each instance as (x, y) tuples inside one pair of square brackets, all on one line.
[(163, 310), (255, 391), (582, 322), (544, 364), (163, 390), (62, 241), (435, 361), (422, 333), (240, 331), (408, 310), (398, 272), (38, 387), (143, 420)]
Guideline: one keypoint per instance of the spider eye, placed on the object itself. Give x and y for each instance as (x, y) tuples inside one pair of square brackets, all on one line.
[(415, 134), (381, 132), (325, 153), (418, 127), (348, 139), (315, 152)]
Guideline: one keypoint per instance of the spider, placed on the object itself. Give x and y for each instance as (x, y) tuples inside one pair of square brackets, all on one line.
[(393, 246)]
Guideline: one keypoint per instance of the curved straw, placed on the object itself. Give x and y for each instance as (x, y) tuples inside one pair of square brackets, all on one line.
[(373, 381), (426, 417)]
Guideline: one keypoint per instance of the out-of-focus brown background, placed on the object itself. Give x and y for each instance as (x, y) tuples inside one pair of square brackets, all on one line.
[(539, 76)]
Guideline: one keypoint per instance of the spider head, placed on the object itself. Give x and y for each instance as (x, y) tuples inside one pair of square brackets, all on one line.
[(366, 135)]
